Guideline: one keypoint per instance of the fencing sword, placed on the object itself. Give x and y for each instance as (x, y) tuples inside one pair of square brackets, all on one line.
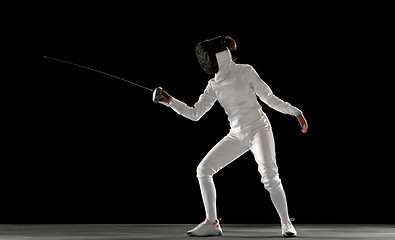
[(156, 92)]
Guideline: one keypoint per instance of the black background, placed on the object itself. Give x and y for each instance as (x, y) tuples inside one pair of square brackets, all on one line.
[(81, 147)]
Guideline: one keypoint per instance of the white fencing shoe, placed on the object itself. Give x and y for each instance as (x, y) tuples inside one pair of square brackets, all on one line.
[(288, 229), (206, 229)]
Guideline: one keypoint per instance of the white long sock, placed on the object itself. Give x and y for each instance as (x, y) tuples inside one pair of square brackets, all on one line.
[(209, 196), (280, 203)]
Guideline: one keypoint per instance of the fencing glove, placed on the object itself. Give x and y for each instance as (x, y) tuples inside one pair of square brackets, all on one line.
[(161, 96)]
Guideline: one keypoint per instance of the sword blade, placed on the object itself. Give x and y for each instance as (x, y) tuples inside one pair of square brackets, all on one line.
[(92, 69)]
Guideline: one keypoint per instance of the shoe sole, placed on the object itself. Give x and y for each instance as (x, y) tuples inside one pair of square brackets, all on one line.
[(289, 235), (211, 235)]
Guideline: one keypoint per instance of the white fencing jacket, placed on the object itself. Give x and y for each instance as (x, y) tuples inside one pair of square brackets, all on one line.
[(235, 87)]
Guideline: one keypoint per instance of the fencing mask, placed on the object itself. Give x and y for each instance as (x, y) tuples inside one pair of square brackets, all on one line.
[(205, 53)]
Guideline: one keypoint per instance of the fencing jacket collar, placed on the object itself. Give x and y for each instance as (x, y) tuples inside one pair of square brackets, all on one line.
[(225, 64)]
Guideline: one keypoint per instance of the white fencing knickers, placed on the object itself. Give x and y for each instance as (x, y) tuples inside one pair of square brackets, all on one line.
[(258, 138)]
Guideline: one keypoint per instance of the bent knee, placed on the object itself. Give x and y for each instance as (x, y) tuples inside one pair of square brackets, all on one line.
[(271, 181), (204, 171)]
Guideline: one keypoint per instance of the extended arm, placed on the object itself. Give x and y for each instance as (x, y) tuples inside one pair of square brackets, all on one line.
[(205, 102)]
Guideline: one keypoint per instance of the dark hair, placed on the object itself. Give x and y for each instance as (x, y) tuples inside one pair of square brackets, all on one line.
[(230, 43)]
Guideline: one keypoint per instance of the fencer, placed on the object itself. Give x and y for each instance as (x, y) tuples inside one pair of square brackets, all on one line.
[(235, 87)]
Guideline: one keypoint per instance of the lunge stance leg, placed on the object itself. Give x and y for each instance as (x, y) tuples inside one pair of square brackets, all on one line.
[(262, 146), (223, 153)]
